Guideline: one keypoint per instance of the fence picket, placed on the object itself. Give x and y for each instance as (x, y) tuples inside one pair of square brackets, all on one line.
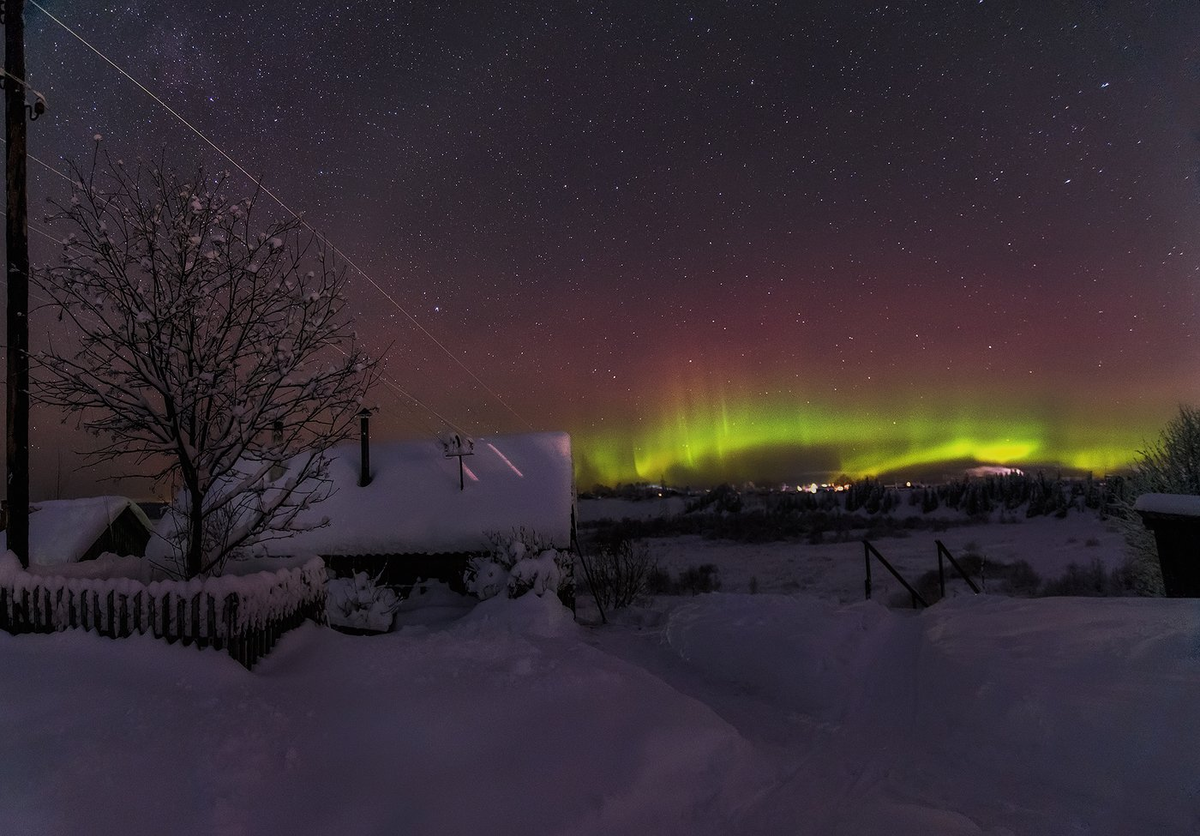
[(181, 625), (195, 625)]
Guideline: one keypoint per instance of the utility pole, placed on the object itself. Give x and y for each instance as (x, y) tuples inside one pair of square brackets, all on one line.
[(16, 238)]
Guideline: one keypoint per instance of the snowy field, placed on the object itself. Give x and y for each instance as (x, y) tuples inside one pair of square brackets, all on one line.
[(835, 570), (800, 709)]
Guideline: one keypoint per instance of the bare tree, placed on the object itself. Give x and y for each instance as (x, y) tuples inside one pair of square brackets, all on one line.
[(214, 353)]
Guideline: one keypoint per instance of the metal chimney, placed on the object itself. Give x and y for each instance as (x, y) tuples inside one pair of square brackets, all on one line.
[(277, 469), (364, 439)]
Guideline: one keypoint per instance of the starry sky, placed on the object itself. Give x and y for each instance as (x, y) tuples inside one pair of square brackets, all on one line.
[(713, 241)]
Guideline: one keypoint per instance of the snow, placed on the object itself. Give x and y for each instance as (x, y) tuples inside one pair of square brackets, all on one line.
[(62, 530), (413, 503), (740, 714), (835, 570), (726, 713), (1168, 504)]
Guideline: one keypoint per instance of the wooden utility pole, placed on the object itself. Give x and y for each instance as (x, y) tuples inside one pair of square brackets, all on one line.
[(16, 238)]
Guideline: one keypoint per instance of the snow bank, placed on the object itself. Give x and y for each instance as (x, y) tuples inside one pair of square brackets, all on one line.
[(447, 732), (743, 714), (978, 715), (529, 615)]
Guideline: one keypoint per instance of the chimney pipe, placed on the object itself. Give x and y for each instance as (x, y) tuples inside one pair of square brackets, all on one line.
[(277, 469), (364, 473)]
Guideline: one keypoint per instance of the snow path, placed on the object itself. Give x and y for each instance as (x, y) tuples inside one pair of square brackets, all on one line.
[(983, 715)]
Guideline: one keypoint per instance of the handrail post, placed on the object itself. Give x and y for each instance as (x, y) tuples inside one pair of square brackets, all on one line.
[(868, 549), (941, 548), (941, 572), (867, 563)]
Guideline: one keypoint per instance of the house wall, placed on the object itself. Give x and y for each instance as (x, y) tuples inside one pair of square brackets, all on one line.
[(126, 536)]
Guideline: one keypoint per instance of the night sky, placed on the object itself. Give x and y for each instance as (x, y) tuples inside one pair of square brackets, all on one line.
[(711, 240)]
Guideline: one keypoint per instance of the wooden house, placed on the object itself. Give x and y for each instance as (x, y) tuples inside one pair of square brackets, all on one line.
[(421, 509)]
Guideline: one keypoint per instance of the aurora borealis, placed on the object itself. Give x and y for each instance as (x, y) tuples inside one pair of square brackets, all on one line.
[(712, 241)]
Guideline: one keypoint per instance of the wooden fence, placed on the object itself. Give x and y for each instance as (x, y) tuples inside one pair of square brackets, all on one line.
[(240, 622)]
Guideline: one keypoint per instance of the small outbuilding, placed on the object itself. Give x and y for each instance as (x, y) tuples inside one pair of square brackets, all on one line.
[(65, 531), (1175, 521)]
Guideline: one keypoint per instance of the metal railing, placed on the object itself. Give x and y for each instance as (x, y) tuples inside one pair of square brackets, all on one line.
[(868, 552), (943, 554), (942, 550)]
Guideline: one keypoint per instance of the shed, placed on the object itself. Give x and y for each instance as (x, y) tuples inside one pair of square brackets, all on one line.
[(71, 530), (1175, 521), (411, 519)]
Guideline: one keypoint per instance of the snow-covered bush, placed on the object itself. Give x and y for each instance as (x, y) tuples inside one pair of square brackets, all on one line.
[(485, 578), (361, 603), (538, 574), (519, 563)]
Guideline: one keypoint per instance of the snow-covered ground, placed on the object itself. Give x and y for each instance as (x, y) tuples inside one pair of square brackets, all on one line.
[(836, 571), (719, 714)]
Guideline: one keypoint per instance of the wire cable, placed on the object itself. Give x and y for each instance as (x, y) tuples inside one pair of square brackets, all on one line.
[(258, 183)]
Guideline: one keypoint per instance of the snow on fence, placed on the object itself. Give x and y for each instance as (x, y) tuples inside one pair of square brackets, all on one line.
[(243, 615)]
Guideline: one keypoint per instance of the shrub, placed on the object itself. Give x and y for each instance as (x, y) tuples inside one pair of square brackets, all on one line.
[(698, 579), (620, 572), (1017, 578), (1092, 580), (658, 582), (691, 581), (361, 603), (519, 563)]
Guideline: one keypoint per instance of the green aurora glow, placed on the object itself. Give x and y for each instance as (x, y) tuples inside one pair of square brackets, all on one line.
[(780, 442)]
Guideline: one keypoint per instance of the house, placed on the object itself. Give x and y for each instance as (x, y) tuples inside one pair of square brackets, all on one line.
[(71, 530), (408, 509)]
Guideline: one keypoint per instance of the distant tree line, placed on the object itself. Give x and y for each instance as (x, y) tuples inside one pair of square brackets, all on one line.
[(867, 508), (1036, 494)]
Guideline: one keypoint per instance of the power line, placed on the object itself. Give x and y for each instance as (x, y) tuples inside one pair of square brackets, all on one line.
[(258, 183), (395, 387), (50, 168)]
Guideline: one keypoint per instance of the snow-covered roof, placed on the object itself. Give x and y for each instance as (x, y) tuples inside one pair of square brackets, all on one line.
[(62, 530), (413, 503), (1168, 504)]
